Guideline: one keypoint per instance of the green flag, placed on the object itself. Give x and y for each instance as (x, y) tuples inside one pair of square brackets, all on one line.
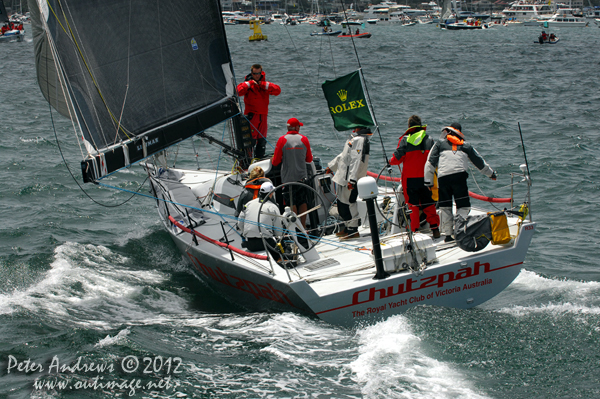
[(347, 104)]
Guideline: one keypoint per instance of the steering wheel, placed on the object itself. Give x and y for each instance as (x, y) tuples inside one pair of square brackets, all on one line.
[(290, 233)]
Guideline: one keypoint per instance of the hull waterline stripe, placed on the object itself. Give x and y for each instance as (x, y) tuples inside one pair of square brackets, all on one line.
[(355, 304)]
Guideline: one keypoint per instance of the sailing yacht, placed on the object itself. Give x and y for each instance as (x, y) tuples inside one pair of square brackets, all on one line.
[(132, 100)]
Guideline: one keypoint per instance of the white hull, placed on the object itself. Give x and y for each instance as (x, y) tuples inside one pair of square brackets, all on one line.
[(556, 24), (564, 19), (338, 285), (13, 36)]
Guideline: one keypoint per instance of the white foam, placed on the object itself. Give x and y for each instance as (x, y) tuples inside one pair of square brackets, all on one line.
[(392, 364), (532, 293), (108, 340), (33, 140), (91, 285)]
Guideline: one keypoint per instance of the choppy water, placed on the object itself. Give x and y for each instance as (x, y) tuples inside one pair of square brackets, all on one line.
[(79, 279)]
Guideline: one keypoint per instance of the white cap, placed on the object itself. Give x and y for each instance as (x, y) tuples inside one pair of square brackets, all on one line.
[(266, 187)]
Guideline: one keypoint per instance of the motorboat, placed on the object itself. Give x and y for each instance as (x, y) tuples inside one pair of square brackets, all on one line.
[(564, 18), (328, 33), (548, 39), (363, 35), (468, 24), (524, 10), (14, 35)]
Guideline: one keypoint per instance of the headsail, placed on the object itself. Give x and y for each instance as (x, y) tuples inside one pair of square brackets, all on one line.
[(347, 103), (139, 76)]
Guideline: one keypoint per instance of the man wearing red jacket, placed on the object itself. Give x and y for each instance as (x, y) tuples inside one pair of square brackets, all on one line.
[(256, 91), (413, 150)]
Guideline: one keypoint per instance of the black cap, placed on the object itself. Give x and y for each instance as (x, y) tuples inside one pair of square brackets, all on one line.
[(456, 125)]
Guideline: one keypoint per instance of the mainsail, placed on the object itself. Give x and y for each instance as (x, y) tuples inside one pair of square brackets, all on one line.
[(138, 76)]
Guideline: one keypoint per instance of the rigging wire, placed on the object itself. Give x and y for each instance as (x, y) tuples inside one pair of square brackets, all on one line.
[(365, 85), (75, 180), (71, 34), (225, 216), (128, 79), (523, 145), (63, 156), (297, 51)]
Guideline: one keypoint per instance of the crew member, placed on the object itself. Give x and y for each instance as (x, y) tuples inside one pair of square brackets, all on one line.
[(349, 166), (450, 155), (256, 91), (412, 151), (270, 222), (251, 188), (293, 152)]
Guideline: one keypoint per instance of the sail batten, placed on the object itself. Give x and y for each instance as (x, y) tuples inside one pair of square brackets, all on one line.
[(134, 68)]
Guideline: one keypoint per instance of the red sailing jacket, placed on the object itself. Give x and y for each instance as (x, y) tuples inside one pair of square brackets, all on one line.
[(413, 149), (256, 95)]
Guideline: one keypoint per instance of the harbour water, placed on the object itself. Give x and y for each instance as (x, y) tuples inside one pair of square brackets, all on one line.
[(82, 278)]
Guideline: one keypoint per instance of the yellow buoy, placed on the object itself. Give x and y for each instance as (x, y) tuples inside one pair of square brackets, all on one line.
[(258, 35)]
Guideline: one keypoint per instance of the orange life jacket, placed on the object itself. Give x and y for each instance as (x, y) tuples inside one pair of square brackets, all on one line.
[(253, 187)]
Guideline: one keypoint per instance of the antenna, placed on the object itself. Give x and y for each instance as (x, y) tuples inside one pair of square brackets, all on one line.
[(523, 145)]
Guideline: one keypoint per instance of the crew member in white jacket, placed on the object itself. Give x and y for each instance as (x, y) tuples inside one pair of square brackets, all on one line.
[(271, 223), (451, 155), (349, 166)]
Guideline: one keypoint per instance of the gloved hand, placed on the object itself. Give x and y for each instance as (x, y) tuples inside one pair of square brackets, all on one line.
[(263, 85), (493, 176), (350, 186), (327, 170)]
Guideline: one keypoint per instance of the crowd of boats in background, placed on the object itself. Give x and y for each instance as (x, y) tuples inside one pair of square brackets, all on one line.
[(449, 15), (11, 27)]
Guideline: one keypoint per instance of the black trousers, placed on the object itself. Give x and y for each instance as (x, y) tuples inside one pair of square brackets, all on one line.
[(255, 244), (453, 186)]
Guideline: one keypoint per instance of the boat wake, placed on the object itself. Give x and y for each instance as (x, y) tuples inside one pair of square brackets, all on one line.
[(393, 364), (532, 293), (92, 286)]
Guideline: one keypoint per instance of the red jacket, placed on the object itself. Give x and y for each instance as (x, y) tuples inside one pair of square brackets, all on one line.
[(413, 149), (256, 95)]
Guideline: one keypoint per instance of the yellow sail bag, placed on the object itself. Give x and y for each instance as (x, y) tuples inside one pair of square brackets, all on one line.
[(500, 231)]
